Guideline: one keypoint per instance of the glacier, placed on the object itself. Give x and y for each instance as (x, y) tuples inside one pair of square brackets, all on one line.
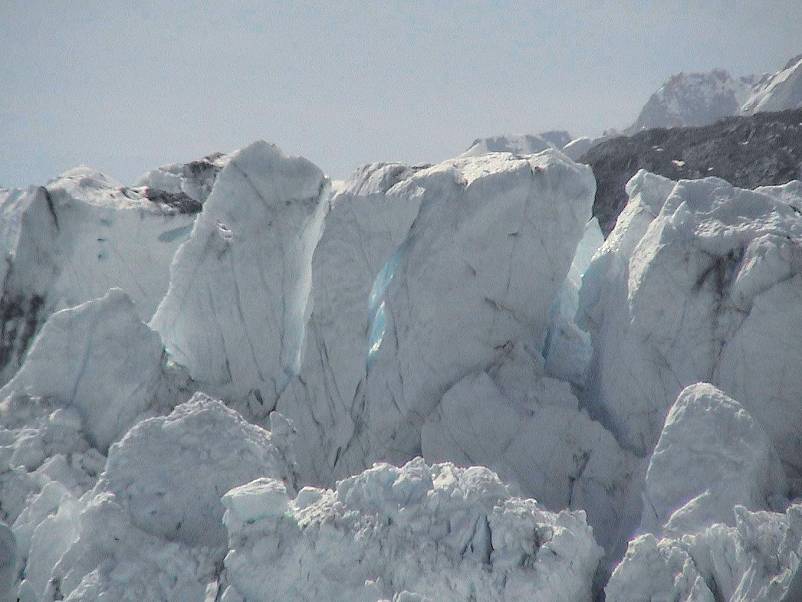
[(237, 380), (73, 239)]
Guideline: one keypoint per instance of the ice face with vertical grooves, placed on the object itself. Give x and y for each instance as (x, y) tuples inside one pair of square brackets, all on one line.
[(361, 231), (235, 311), (482, 263)]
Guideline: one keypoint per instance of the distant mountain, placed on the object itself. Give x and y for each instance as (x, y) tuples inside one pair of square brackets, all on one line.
[(696, 99), (693, 99), (747, 151)]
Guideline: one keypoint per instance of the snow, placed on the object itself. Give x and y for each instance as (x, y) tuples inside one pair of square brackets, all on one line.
[(579, 146), (151, 528), (779, 91), (757, 560), (415, 532), (235, 310)]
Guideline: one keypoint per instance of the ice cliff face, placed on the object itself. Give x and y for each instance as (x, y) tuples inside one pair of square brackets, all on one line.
[(235, 310), (70, 241), (448, 307), (699, 281), (557, 409), (365, 224)]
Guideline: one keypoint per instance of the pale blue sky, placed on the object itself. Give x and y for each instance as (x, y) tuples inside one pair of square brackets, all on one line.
[(127, 86)]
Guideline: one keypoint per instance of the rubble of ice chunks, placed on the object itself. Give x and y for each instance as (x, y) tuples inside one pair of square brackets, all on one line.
[(453, 303), (151, 527), (362, 229), (698, 282), (530, 430), (235, 309), (415, 532), (711, 456), (710, 533), (756, 560), (70, 241), (194, 180)]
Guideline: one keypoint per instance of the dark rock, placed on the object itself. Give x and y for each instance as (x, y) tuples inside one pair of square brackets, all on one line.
[(178, 200), (759, 150)]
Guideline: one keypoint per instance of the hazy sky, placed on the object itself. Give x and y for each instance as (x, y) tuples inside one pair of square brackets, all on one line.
[(127, 86)]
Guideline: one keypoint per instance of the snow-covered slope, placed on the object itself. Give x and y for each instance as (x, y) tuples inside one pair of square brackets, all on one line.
[(406, 534), (777, 91)]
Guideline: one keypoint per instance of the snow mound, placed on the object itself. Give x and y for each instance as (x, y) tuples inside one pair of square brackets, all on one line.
[(698, 282), (194, 179), (235, 310), (71, 241), (447, 305), (517, 144), (151, 529), (101, 361), (579, 146), (711, 456), (361, 231), (757, 560), (416, 532)]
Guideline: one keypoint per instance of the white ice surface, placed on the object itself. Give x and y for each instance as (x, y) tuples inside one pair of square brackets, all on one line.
[(235, 311), (70, 242), (711, 456), (449, 305), (699, 281)]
